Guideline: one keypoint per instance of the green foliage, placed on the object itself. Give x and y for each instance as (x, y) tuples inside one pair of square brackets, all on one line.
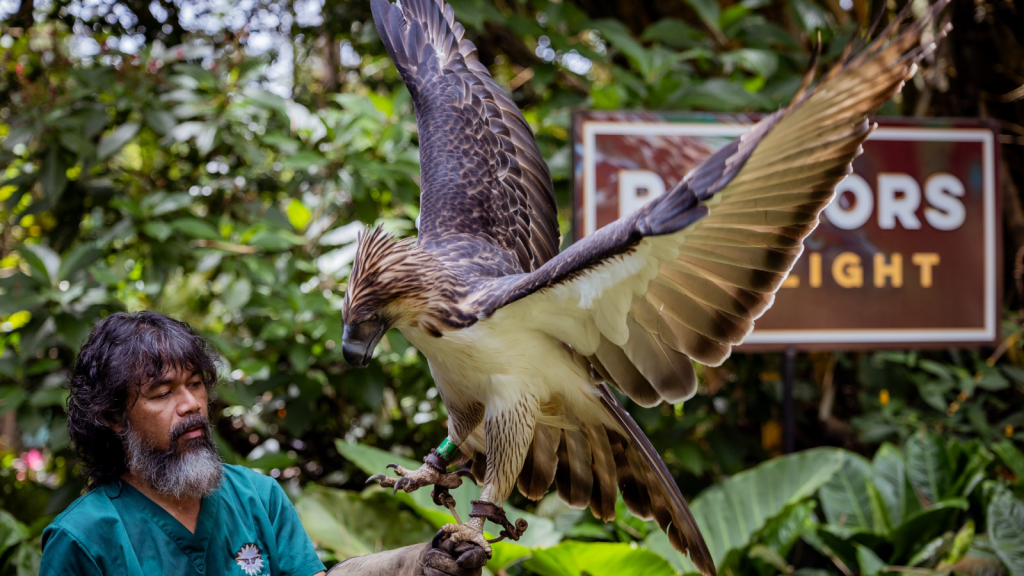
[(351, 524), (960, 393), (1006, 529), (733, 511), (597, 559)]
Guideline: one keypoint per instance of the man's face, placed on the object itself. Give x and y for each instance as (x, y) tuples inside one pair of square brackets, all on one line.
[(165, 405), (167, 439)]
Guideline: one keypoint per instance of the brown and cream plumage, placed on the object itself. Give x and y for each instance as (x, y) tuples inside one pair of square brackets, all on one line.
[(521, 339)]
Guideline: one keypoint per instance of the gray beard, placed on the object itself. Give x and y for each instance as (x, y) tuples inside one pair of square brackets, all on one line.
[(188, 469)]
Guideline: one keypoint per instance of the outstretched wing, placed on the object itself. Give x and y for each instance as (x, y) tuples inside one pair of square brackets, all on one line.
[(482, 173), (686, 276)]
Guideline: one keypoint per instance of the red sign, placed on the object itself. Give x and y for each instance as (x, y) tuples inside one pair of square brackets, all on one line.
[(907, 253)]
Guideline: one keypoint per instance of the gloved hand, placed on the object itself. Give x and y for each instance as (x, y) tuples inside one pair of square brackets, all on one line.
[(439, 557), (442, 558)]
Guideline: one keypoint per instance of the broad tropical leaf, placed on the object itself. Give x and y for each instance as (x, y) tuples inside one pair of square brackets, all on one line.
[(845, 498), (1006, 530), (928, 467), (597, 559), (349, 524), (730, 513), (891, 480)]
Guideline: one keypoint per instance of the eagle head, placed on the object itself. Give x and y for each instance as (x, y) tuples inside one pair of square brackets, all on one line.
[(389, 287)]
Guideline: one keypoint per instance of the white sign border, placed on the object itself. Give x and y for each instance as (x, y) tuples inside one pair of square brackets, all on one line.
[(592, 128)]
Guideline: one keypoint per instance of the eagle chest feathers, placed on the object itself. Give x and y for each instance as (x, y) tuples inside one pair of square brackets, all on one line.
[(498, 362)]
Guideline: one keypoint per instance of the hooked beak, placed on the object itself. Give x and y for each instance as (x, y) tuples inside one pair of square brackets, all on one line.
[(359, 340)]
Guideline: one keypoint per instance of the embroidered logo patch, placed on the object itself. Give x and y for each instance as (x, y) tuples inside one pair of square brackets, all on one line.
[(249, 559)]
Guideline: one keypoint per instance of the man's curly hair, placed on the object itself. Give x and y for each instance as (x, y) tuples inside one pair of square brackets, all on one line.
[(123, 353)]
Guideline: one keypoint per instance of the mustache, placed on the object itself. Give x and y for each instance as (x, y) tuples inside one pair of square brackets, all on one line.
[(193, 421)]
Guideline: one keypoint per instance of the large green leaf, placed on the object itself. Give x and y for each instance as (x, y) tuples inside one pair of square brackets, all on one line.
[(891, 480), (845, 497), (730, 513), (783, 531), (371, 460), (1006, 530), (350, 524), (924, 525), (597, 559), (928, 467)]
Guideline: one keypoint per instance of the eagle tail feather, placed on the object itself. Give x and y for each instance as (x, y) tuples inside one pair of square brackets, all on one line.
[(649, 489), (541, 461), (574, 474), (581, 463)]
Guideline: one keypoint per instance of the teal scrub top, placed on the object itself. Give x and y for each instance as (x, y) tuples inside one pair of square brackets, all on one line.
[(248, 527)]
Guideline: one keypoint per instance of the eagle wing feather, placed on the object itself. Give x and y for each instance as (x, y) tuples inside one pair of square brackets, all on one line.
[(482, 173)]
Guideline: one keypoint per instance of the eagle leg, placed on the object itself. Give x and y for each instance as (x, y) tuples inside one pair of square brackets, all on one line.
[(430, 473), (508, 430)]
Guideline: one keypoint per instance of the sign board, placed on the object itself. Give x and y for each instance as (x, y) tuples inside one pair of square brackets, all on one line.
[(906, 255)]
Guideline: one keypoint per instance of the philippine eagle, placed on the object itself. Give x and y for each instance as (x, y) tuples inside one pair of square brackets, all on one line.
[(521, 339)]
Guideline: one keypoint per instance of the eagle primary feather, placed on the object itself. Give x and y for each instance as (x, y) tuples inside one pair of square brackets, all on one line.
[(521, 339)]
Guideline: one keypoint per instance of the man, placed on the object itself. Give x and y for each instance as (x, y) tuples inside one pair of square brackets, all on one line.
[(160, 500)]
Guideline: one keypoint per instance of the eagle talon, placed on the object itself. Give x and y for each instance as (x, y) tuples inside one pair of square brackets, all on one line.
[(466, 533), (412, 480)]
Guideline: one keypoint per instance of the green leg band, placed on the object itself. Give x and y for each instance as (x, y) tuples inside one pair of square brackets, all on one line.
[(447, 449)]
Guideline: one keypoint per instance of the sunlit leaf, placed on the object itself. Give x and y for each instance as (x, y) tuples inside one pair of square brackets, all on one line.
[(298, 214), (597, 559)]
